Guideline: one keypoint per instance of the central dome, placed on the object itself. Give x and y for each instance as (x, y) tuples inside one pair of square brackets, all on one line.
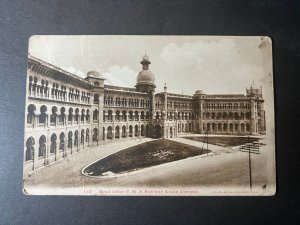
[(145, 76)]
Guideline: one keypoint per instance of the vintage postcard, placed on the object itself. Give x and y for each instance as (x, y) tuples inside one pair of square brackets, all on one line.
[(150, 116)]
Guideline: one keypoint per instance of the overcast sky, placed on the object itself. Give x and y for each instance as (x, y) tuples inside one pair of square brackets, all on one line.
[(216, 65)]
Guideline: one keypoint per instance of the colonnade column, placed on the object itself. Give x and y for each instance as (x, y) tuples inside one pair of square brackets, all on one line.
[(47, 153), (65, 145), (104, 134), (139, 131)]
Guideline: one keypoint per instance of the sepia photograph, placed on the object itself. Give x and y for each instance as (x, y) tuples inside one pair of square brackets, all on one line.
[(149, 116)]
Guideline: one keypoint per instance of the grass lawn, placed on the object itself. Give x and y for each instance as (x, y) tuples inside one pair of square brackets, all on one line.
[(223, 141), (142, 156)]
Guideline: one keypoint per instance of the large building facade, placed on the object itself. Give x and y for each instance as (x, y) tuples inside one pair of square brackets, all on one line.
[(66, 114)]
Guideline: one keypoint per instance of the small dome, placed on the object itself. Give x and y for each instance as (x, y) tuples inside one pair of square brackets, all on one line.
[(200, 92), (145, 76), (95, 74)]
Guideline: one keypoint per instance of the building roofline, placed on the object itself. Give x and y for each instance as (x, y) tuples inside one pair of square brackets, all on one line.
[(59, 70)]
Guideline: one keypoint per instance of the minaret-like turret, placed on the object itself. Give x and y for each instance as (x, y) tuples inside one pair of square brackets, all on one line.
[(145, 83), (145, 79)]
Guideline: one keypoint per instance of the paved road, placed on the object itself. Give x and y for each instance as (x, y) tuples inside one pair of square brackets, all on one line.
[(226, 170)]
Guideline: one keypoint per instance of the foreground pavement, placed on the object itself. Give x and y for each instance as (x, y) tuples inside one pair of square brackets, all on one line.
[(226, 169)]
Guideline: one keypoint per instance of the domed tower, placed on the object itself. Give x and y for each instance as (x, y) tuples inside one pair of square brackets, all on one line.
[(199, 100), (145, 79), (95, 78), (97, 100)]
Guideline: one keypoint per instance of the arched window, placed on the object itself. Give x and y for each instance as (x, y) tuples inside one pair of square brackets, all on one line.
[(109, 133), (231, 127), (213, 115), (219, 127), (82, 137), (110, 116), (242, 127), (124, 116), (236, 116), (247, 115), (82, 116), (76, 138), (87, 116), (87, 139), (225, 127), (34, 86), (53, 143), (157, 116), (130, 115), (208, 127), (30, 85), (96, 99), (77, 115), (142, 115), (70, 139), (70, 116), (130, 131), (95, 135), (95, 115), (142, 130), (31, 113), (213, 127), (242, 117), (62, 117), (207, 116), (29, 155), (136, 130), (117, 115), (42, 146), (43, 115), (117, 132), (247, 127), (124, 131), (62, 141), (53, 115)]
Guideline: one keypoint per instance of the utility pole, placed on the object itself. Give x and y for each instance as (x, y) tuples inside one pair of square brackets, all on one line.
[(250, 147), (207, 143), (250, 170)]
